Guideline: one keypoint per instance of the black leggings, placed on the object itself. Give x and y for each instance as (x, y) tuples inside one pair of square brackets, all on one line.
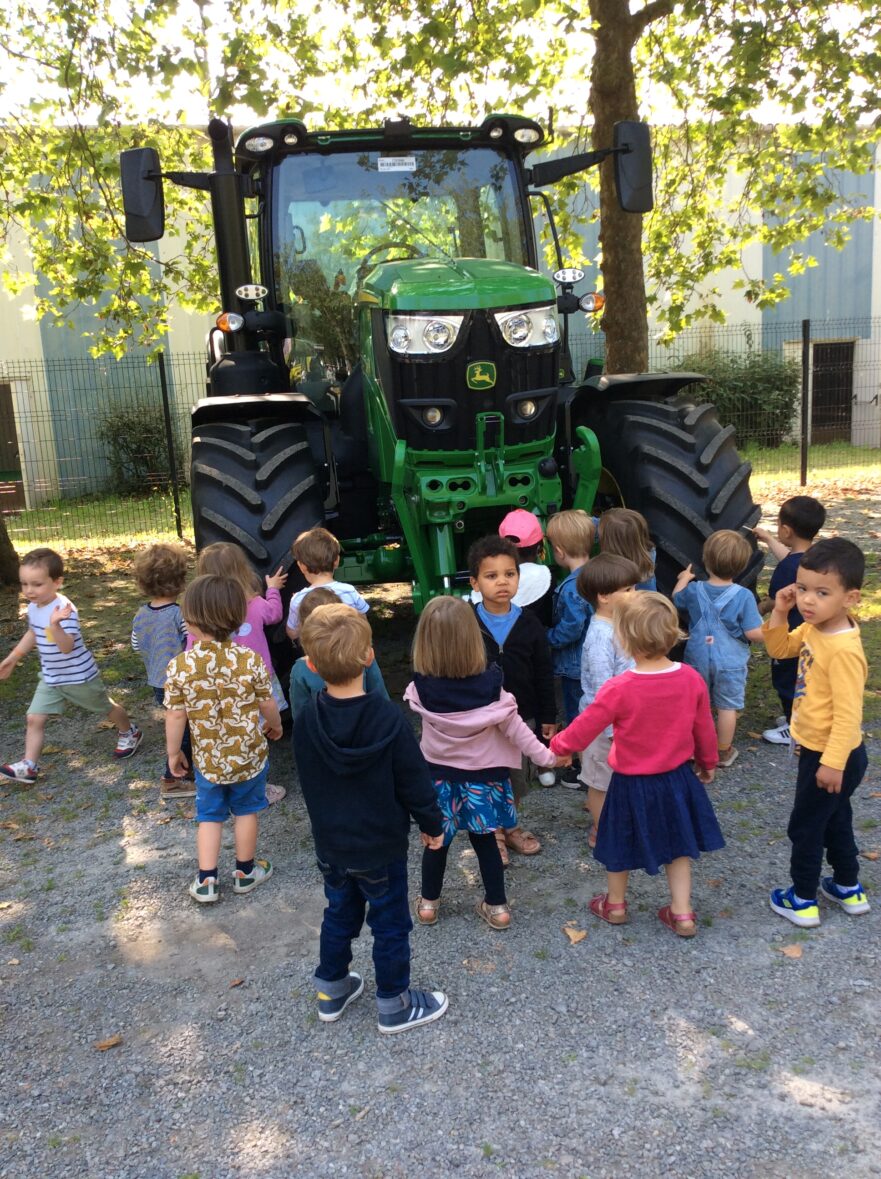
[(434, 865)]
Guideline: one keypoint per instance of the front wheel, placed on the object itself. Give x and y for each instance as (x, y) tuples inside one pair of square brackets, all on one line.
[(678, 466), (255, 484)]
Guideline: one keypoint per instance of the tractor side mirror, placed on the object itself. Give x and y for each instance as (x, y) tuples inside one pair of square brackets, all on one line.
[(142, 197), (633, 166)]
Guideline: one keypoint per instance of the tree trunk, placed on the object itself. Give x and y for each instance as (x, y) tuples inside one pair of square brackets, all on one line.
[(8, 558), (612, 98)]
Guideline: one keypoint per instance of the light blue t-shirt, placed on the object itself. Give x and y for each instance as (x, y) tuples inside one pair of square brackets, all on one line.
[(499, 625)]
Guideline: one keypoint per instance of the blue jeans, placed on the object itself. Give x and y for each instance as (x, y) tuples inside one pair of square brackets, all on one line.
[(382, 895), (571, 697), (185, 743)]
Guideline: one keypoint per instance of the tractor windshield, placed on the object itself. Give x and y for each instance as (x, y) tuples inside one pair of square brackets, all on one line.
[(336, 216)]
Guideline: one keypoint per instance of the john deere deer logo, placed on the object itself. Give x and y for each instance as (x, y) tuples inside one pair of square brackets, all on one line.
[(481, 375)]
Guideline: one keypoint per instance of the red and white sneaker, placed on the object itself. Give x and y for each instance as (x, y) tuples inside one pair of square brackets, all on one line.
[(127, 743), (20, 771)]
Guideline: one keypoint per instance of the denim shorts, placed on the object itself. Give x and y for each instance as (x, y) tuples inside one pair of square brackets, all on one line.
[(727, 686), (215, 803)]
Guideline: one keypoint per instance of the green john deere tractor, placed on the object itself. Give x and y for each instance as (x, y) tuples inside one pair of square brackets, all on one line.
[(397, 367)]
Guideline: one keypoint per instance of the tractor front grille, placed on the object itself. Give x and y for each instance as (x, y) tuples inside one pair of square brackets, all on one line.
[(413, 385)]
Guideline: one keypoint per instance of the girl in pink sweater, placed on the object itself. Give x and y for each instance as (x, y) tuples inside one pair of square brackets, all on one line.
[(472, 737), (228, 560), (657, 811)]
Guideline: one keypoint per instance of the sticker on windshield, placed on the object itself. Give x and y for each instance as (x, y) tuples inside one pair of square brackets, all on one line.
[(396, 164)]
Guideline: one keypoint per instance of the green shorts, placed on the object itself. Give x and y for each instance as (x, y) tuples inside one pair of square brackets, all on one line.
[(52, 699)]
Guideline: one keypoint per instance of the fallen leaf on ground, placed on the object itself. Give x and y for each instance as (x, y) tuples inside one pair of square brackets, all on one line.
[(573, 933), (755, 736), (872, 855), (715, 882), (8, 825), (236, 982), (166, 819), (794, 951), (22, 836), (5, 904), (14, 962), (362, 1113), (875, 794), (110, 1042), (477, 966)]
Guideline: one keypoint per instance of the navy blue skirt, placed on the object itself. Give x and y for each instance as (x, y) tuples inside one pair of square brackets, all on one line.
[(649, 820)]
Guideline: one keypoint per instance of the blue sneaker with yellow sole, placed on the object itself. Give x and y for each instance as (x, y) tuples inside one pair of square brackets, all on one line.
[(852, 900), (800, 912)]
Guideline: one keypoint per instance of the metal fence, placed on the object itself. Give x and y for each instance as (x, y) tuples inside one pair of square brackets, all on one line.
[(95, 452)]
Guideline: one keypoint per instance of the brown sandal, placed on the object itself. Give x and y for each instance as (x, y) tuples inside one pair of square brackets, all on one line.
[(426, 911), (503, 847), (614, 912), (522, 841), (496, 916), (675, 921)]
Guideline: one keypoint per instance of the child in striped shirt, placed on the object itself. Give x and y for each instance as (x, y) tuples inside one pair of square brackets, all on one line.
[(68, 671)]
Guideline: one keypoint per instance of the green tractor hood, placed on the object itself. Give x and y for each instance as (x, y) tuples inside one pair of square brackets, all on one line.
[(428, 284)]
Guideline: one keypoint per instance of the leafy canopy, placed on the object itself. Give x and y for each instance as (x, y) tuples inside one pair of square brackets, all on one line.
[(754, 105)]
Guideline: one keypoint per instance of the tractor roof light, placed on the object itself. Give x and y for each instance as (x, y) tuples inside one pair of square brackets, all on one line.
[(259, 143), (292, 138), (230, 321), (527, 135)]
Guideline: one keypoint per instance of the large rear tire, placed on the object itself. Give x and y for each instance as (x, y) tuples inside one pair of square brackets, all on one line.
[(254, 484), (678, 466)]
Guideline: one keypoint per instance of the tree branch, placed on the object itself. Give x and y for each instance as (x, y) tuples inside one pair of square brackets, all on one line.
[(654, 10)]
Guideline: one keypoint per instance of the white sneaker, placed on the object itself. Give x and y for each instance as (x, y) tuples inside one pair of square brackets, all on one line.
[(778, 736)]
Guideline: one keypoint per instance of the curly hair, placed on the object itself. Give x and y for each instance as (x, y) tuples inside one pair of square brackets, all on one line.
[(161, 570)]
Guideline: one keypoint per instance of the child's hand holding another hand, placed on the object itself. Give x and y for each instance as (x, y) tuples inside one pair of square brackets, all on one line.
[(432, 842)]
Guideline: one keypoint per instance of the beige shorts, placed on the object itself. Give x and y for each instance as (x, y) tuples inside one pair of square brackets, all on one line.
[(52, 699), (595, 768)]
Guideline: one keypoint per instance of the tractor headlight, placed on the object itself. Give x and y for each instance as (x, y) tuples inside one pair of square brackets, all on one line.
[(527, 409), (422, 335), (432, 415), (533, 327)]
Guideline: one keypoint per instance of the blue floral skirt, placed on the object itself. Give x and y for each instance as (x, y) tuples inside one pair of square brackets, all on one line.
[(480, 807), (649, 820)]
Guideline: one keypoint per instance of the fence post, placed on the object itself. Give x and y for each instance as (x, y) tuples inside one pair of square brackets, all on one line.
[(805, 399), (169, 442)]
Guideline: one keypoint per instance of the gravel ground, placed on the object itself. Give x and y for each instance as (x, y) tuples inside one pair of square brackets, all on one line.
[(629, 1053)]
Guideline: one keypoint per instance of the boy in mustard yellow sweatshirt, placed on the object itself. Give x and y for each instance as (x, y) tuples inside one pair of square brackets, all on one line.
[(827, 723)]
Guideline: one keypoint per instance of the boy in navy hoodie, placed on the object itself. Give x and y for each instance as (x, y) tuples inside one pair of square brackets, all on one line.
[(363, 777), (517, 642)]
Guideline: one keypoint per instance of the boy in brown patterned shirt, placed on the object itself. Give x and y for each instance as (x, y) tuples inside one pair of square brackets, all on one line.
[(224, 691)]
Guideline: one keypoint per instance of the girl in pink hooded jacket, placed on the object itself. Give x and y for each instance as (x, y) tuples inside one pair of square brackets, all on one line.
[(472, 737)]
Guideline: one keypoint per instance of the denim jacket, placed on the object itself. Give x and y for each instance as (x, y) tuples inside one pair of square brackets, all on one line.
[(566, 636)]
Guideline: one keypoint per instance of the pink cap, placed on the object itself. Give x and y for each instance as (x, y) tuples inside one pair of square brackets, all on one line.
[(521, 527)]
